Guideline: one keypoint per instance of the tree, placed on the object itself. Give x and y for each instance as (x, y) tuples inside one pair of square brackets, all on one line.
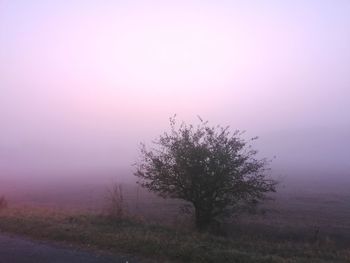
[(210, 167)]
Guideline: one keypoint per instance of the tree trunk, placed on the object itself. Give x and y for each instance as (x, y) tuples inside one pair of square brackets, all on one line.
[(203, 219)]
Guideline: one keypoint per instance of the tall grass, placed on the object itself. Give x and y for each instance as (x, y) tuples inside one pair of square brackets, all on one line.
[(3, 203), (116, 205), (163, 244)]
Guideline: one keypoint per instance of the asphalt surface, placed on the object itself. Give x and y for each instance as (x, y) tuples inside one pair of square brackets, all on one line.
[(14, 249)]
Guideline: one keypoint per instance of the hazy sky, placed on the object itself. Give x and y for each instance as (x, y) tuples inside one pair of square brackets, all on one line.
[(83, 82)]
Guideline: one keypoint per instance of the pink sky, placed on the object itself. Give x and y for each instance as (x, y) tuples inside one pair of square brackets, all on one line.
[(83, 82)]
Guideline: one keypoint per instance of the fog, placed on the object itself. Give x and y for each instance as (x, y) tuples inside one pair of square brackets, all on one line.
[(82, 83)]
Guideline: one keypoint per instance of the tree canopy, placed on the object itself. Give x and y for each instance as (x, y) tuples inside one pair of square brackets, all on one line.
[(212, 168)]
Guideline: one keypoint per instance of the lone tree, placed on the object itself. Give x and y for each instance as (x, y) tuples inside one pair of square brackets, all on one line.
[(210, 167)]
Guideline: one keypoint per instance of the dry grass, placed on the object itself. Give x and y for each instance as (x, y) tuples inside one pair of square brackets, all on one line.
[(3, 203), (116, 207), (159, 243)]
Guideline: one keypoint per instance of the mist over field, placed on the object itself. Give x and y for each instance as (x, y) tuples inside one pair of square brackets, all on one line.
[(83, 83), (88, 88)]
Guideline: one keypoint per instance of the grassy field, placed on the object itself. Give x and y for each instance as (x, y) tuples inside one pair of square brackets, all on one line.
[(300, 225), (157, 243)]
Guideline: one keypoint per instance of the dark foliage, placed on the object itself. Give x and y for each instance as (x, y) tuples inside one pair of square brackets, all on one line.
[(210, 167)]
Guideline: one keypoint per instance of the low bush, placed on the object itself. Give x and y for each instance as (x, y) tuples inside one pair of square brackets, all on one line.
[(3, 203)]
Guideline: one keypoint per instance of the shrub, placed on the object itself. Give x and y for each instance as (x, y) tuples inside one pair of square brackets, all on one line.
[(3, 203), (116, 204), (213, 169)]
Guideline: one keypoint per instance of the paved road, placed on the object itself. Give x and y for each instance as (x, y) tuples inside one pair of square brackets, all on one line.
[(14, 249)]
